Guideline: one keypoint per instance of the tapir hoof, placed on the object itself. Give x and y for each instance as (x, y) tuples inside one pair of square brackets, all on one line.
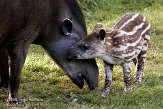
[(15, 101), (137, 82), (128, 89), (3, 87), (104, 94)]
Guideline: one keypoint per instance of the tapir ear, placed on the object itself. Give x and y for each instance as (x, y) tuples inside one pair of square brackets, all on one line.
[(97, 26), (67, 26), (102, 34)]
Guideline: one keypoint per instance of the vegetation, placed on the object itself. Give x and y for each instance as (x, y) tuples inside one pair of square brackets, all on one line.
[(44, 85)]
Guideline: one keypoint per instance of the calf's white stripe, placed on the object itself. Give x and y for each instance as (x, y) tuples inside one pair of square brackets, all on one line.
[(124, 47), (121, 32), (147, 37), (129, 20), (146, 29)]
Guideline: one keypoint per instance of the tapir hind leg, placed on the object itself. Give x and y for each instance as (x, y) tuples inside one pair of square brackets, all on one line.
[(141, 60), (140, 67), (4, 68)]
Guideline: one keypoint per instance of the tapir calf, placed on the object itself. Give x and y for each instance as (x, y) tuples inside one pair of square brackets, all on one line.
[(127, 40)]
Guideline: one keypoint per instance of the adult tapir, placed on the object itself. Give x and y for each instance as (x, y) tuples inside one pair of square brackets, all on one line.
[(56, 25)]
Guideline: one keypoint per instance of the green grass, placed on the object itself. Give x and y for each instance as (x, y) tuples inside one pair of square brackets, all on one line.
[(44, 85)]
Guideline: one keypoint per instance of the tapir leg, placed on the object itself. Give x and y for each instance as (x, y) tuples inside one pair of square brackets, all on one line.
[(17, 53), (108, 79), (141, 59), (140, 67), (4, 68), (127, 75)]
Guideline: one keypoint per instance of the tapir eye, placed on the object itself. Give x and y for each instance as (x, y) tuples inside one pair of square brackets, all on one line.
[(83, 47)]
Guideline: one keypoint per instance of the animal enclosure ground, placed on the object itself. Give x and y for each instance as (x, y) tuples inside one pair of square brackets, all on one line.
[(45, 86)]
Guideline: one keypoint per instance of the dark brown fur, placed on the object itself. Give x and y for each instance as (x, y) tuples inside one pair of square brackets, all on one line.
[(4, 69), (42, 22)]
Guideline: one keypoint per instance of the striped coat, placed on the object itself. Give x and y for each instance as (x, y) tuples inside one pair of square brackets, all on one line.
[(132, 37), (125, 42)]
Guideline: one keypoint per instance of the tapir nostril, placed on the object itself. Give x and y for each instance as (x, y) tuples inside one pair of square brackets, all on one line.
[(70, 56), (75, 56)]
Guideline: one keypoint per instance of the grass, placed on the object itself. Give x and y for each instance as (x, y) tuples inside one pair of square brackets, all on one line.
[(44, 85)]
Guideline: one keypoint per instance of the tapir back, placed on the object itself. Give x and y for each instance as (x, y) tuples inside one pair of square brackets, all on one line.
[(132, 37)]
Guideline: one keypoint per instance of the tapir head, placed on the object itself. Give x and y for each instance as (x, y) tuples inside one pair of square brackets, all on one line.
[(95, 45), (57, 38), (89, 47)]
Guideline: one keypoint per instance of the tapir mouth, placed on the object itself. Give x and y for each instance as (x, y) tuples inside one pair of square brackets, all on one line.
[(82, 71), (79, 81)]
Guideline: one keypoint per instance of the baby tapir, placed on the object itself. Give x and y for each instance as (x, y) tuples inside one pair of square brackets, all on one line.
[(125, 42)]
